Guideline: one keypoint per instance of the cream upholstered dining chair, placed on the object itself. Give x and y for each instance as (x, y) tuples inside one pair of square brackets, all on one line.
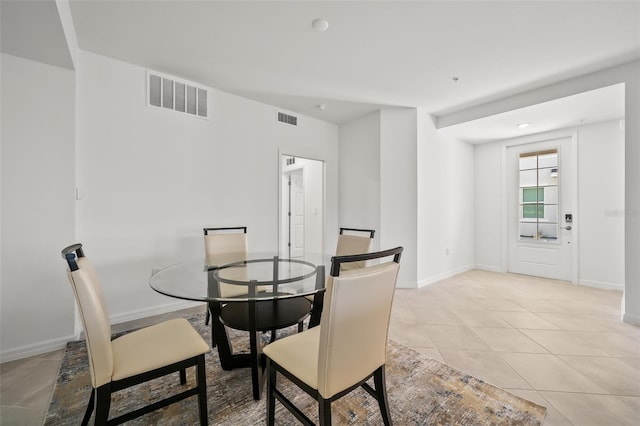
[(136, 357), (354, 242), (223, 246), (349, 346)]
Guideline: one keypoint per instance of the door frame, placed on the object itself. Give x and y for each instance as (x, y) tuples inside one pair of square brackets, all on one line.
[(281, 155), (541, 137)]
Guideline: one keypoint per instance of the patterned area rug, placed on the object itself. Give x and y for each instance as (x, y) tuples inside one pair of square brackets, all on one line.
[(422, 391)]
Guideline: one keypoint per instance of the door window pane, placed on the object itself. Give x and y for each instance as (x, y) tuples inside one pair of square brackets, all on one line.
[(539, 196), (528, 178), (548, 160), (548, 231), (528, 163)]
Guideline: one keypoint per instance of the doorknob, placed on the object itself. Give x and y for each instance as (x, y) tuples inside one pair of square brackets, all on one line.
[(568, 227)]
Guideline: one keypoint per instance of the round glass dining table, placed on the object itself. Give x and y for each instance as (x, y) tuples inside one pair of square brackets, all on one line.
[(255, 292)]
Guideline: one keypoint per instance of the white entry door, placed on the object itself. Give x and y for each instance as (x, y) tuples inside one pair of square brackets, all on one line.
[(297, 214), (540, 211)]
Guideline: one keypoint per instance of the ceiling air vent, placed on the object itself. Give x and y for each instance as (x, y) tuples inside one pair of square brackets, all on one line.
[(287, 119), (181, 96)]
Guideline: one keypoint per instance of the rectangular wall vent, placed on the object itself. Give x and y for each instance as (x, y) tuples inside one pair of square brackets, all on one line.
[(181, 96), (287, 119)]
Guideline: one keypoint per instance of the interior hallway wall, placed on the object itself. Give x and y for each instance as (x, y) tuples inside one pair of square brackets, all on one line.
[(398, 188), (445, 204), (359, 171), (37, 206)]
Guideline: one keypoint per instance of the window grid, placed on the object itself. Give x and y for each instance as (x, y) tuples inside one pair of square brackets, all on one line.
[(538, 196)]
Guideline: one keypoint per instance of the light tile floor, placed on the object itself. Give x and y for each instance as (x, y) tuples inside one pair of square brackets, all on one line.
[(558, 344)]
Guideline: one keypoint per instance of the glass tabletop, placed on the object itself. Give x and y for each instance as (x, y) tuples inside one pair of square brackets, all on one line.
[(243, 277)]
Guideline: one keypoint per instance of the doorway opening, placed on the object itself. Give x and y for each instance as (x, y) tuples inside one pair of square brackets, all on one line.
[(301, 205)]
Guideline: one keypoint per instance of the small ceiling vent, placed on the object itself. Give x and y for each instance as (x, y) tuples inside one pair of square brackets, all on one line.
[(287, 119), (168, 92)]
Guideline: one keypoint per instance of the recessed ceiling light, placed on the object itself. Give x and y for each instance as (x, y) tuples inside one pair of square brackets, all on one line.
[(320, 24), (523, 125), (321, 107)]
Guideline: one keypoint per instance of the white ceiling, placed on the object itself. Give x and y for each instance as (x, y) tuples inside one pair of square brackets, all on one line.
[(590, 107), (32, 30), (374, 54)]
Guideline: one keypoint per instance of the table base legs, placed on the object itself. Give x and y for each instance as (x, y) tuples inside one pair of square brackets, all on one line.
[(255, 359)]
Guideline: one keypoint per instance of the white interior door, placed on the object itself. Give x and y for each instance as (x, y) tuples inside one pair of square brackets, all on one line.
[(540, 211), (297, 214)]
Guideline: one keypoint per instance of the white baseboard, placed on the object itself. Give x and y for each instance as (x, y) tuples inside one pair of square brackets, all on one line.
[(444, 276), (406, 284), (490, 268), (35, 348), (631, 319), (603, 285), (60, 342)]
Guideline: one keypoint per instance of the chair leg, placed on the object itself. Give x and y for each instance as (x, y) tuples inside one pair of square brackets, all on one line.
[(206, 318), (183, 376), (87, 413), (324, 411), (271, 397), (103, 403), (381, 395), (300, 326), (202, 391)]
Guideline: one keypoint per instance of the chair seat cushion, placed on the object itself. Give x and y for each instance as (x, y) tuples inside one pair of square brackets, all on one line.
[(154, 347), (298, 354)]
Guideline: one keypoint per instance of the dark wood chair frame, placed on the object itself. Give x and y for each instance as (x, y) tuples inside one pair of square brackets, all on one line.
[(370, 231), (324, 405), (100, 399)]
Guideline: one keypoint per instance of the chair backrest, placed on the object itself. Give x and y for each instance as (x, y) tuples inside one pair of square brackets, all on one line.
[(355, 320), (354, 244), (93, 313), (223, 246)]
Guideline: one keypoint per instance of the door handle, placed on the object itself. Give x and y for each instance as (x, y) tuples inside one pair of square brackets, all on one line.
[(568, 227)]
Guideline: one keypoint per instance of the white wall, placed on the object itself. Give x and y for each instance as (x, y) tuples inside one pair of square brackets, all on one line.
[(600, 229), (445, 203), (38, 158), (422, 181), (601, 199), (398, 188), (359, 160), (489, 216), (151, 179), (378, 179)]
